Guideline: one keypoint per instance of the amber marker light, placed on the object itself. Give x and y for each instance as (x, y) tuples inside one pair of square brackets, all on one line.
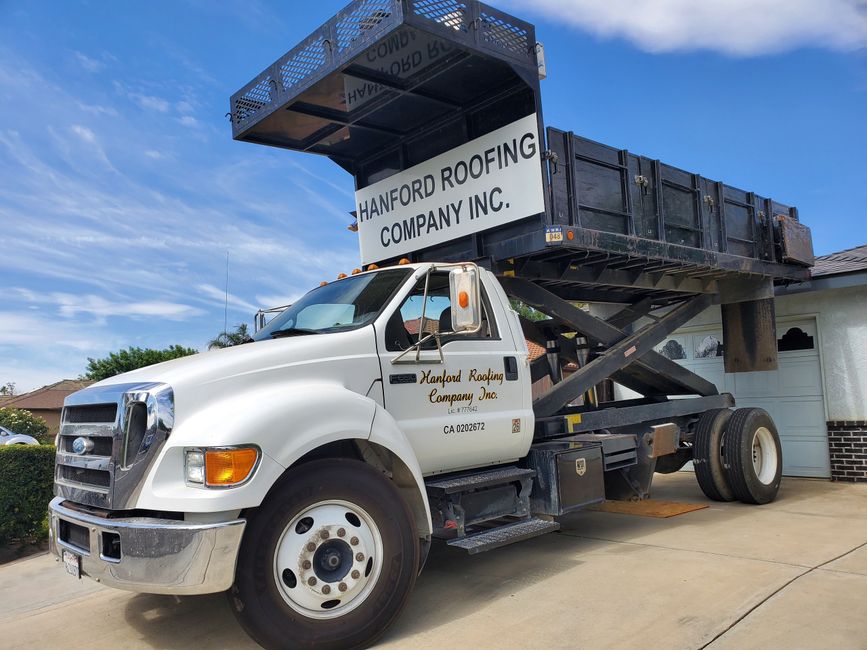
[(323, 284), (372, 267), (341, 276), (404, 261), (463, 299), (570, 235), (228, 467), (356, 271)]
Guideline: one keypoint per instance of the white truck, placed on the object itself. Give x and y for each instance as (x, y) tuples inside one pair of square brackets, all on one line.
[(307, 472)]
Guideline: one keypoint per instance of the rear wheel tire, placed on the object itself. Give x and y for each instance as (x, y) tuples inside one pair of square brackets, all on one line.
[(708, 455), (753, 456), (328, 561)]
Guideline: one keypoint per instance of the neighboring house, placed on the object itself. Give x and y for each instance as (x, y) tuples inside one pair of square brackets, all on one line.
[(818, 395), (47, 402)]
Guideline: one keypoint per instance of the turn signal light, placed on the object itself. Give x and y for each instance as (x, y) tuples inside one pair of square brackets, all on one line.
[(226, 467)]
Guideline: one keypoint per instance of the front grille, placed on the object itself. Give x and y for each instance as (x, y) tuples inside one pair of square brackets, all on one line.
[(90, 413), (121, 429), (96, 478), (101, 446)]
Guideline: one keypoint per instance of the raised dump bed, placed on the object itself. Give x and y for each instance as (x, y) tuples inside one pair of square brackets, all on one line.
[(401, 93)]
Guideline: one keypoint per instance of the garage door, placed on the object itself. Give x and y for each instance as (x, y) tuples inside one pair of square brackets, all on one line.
[(792, 394)]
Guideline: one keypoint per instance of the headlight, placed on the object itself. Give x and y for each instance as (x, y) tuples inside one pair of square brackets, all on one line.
[(220, 466), (194, 466)]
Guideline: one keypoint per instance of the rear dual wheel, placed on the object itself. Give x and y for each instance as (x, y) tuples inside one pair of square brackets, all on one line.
[(753, 456), (710, 470), (738, 455)]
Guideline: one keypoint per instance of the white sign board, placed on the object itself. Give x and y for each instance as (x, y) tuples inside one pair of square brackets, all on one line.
[(485, 183)]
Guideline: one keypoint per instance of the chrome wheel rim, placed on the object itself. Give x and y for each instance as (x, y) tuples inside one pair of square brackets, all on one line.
[(764, 453), (328, 559)]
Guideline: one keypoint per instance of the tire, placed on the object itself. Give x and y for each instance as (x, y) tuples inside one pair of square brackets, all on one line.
[(342, 525), (708, 455), (753, 456)]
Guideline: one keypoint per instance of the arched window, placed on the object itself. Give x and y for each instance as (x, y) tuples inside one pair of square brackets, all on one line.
[(795, 339)]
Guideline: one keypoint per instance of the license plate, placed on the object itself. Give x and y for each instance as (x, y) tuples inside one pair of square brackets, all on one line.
[(72, 562), (554, 234)]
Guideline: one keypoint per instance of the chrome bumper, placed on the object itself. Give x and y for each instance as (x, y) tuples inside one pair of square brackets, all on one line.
[(157, 556)]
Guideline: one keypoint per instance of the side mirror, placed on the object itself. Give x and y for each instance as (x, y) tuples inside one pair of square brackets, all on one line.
[(466, 298)]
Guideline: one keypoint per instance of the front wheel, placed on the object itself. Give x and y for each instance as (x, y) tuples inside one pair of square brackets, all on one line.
[(328, 561)]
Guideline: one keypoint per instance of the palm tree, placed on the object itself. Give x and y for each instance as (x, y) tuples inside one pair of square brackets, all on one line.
[(228, 339)]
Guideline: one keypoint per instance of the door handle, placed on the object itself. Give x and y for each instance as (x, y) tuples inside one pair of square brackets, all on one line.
[(511, 367)]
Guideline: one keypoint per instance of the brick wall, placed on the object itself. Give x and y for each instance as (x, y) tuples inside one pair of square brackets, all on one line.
[(848, 444)]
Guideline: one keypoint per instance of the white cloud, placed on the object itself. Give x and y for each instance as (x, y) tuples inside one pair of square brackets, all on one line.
[(97, 109), (30, 329), (154, 154), (70, 306), (218, 296), (151, 103), (278, 300), (189, 121), (734, 27), (73, 305), (89, 64), (84, 133)]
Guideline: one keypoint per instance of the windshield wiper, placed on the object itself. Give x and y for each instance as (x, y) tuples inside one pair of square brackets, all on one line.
[(292, 331)]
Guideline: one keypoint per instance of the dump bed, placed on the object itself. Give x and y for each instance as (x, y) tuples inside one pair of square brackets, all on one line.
[(434, 107)]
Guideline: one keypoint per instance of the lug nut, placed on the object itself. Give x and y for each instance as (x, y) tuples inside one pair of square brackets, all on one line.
[(356, 574), (324, 534), (342, 586), (306, 564), (359, 557), (326, 589), (311, 547), (354, 541), (341, 532), (311, 581)]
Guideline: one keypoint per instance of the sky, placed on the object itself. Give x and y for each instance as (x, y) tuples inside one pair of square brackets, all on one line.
[(122, 191)]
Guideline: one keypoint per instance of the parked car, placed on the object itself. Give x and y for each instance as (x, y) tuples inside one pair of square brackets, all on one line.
[(8, 437)]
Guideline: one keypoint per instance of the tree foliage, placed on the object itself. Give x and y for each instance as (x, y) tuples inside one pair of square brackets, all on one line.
[(526, 311), (24, 422), (131, 359), (228, 339), (26, 485), (8, 388)]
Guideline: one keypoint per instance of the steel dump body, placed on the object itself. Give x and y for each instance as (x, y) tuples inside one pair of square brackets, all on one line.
[(388, 84)]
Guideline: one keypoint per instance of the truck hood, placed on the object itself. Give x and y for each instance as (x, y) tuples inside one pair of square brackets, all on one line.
[(347, 359)]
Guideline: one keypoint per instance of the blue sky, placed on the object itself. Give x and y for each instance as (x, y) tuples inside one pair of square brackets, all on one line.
[(121, 189)]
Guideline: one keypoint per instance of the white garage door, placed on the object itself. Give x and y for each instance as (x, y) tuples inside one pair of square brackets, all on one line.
[(792, 394)]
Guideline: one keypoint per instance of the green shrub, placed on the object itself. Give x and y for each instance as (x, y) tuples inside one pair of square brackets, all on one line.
[(26, 487), (24, 422)]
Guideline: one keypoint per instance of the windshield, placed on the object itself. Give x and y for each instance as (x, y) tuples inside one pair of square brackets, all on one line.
[(337, 307)]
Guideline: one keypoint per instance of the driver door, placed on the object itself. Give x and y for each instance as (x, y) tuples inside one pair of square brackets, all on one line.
[(467, 410)]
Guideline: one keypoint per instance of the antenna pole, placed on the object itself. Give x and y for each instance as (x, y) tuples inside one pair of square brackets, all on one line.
[(226, 305)]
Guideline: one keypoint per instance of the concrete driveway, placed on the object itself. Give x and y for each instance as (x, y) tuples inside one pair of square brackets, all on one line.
[(792, 574)]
